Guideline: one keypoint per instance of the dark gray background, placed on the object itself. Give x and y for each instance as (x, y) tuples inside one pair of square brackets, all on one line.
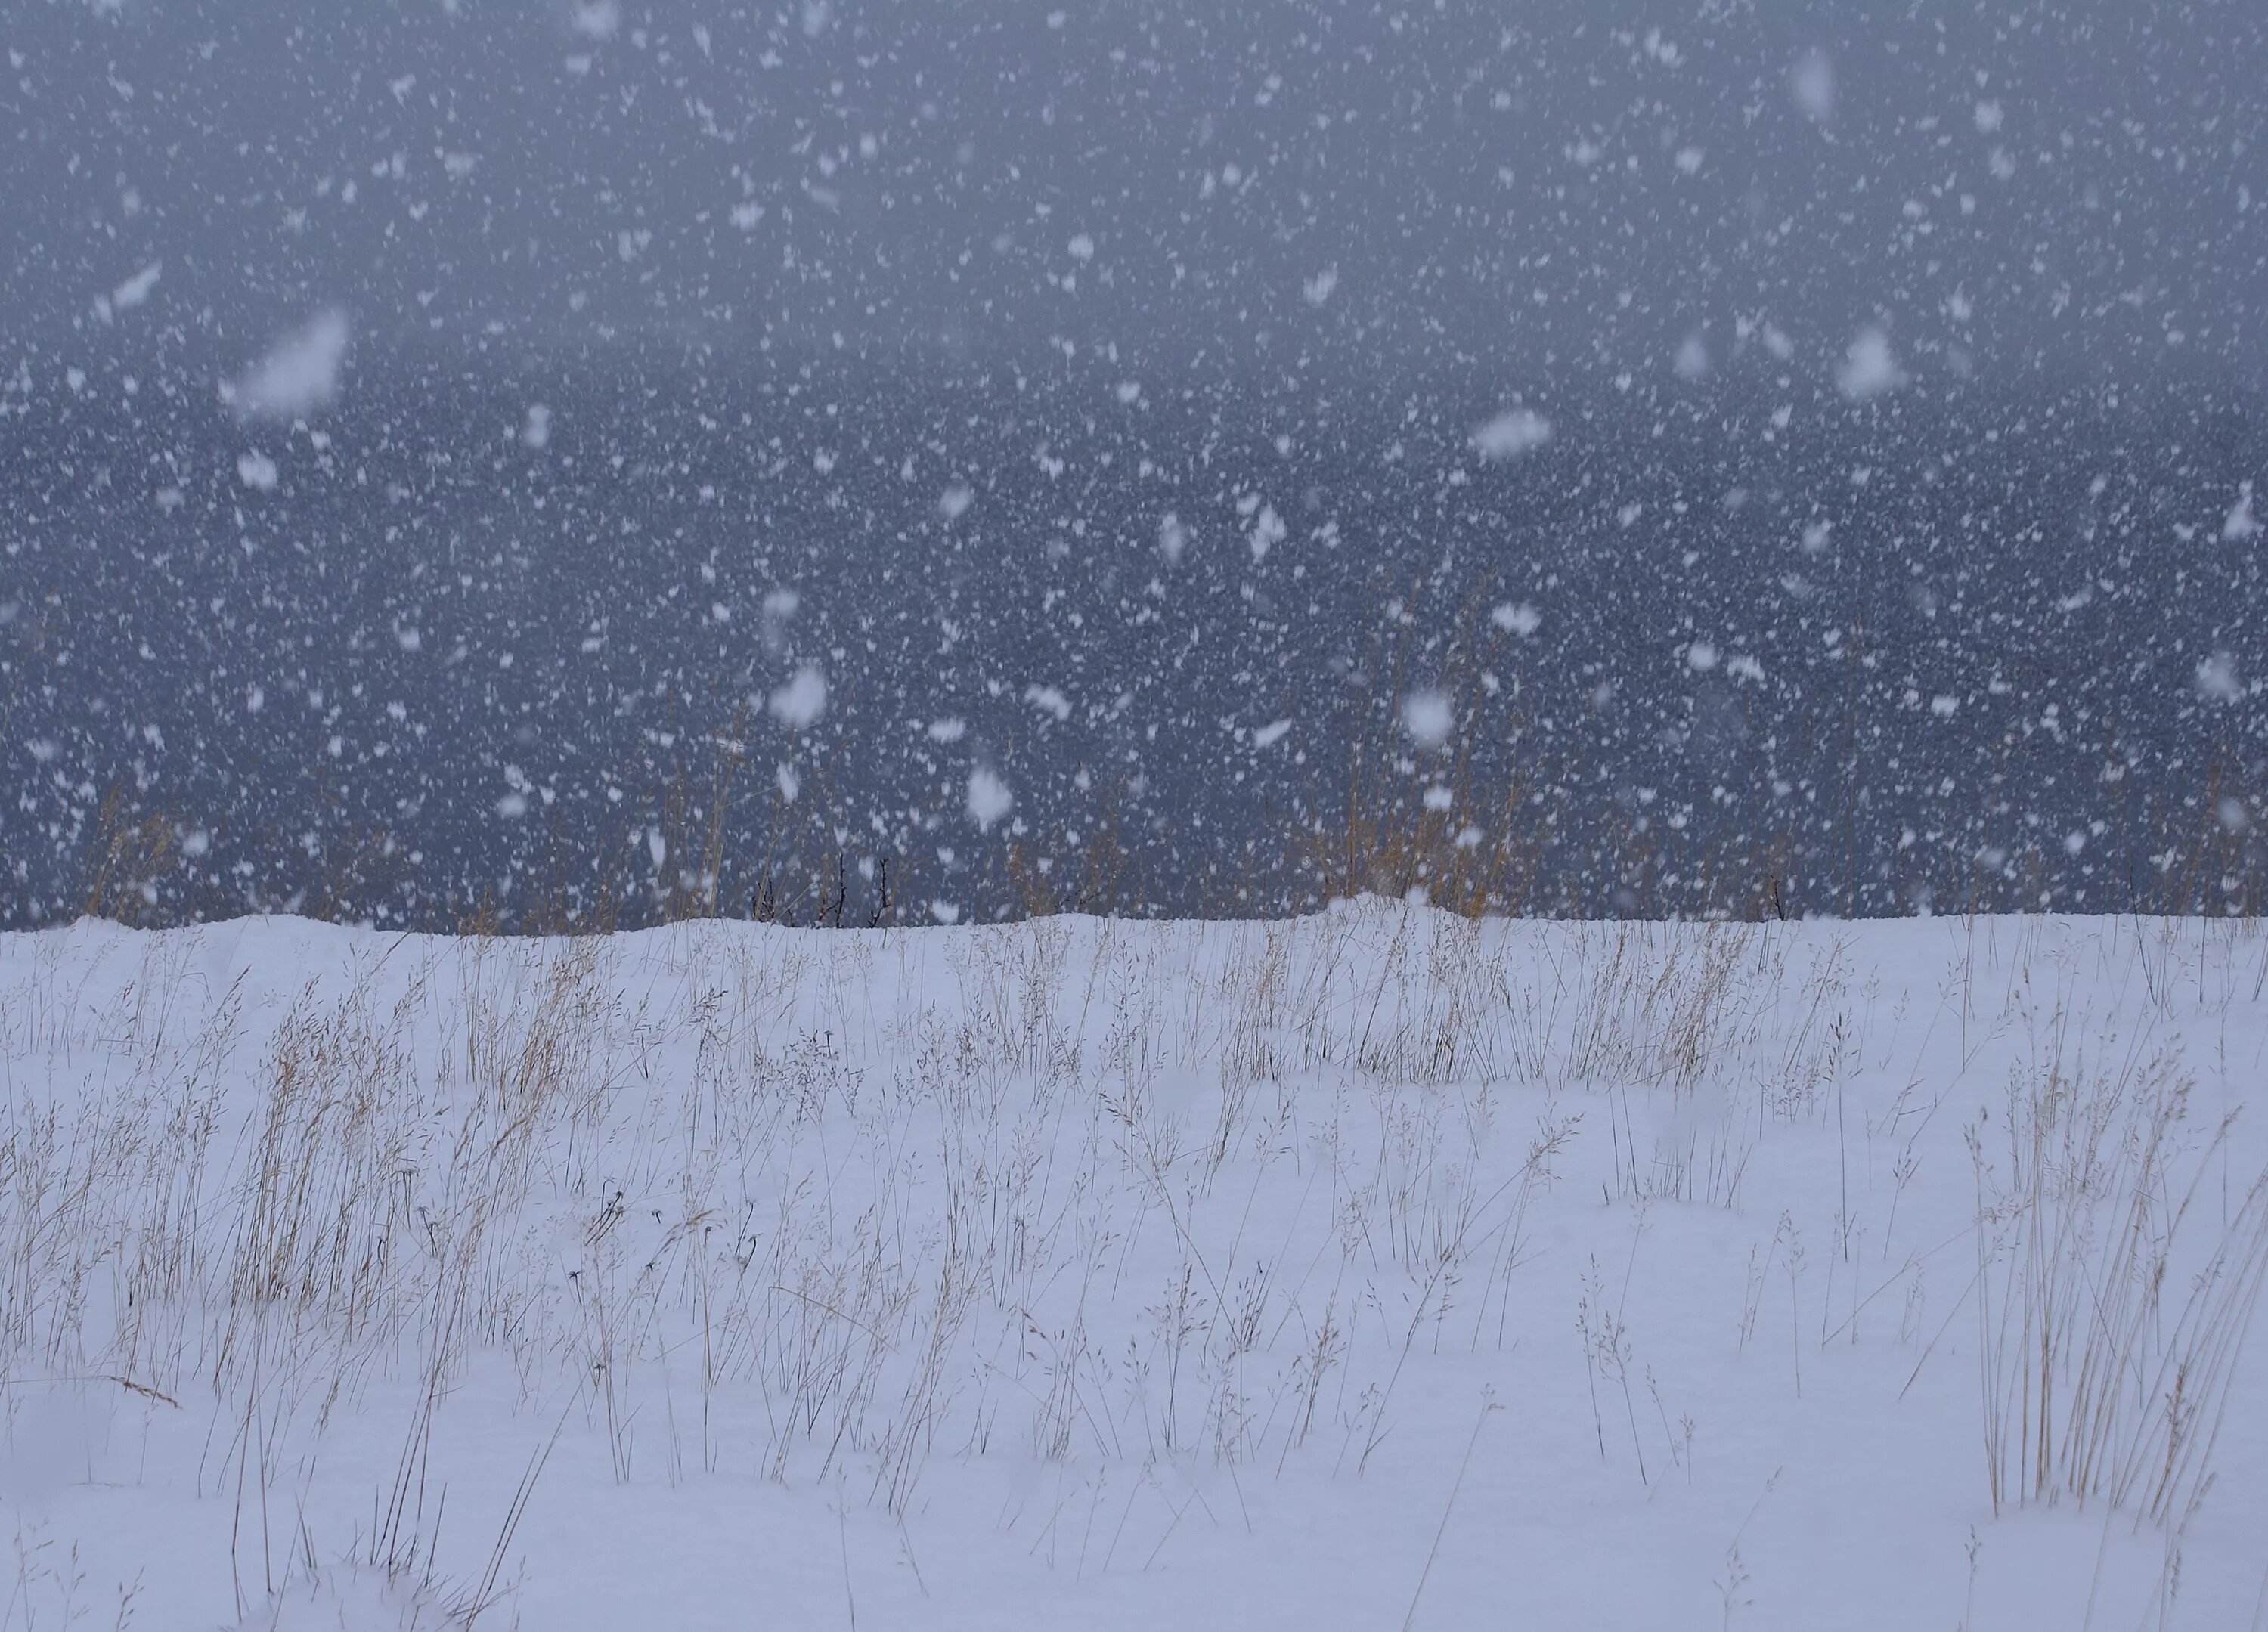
[(1993, 185), (1003, 337)]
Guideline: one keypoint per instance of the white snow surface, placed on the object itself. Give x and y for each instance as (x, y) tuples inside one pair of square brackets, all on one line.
[(1376, 1268)]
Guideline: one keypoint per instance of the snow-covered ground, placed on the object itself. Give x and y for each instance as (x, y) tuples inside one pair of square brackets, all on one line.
[(1375, 1269)]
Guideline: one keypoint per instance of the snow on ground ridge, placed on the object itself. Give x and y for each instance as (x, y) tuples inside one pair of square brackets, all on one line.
[(1291, 1274)]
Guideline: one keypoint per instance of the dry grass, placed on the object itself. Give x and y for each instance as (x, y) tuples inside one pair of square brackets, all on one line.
[(2110, 1333)]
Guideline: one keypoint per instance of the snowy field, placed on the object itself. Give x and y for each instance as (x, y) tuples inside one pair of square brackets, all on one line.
[(1374, 1269)]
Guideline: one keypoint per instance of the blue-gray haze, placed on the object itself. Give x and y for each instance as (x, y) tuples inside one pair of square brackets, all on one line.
[(922, 459)]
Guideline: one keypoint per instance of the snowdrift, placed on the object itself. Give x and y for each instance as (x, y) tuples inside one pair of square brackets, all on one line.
[(1375, 1269)]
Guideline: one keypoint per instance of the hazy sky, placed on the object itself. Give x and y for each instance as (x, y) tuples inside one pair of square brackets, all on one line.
[(1562, 188)]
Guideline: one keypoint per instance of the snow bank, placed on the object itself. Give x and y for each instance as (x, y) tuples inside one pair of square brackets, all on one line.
[(1372, 1270)]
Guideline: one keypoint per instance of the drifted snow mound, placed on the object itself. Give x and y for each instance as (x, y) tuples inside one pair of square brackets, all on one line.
[(351, 1597), (1538, 1274)]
